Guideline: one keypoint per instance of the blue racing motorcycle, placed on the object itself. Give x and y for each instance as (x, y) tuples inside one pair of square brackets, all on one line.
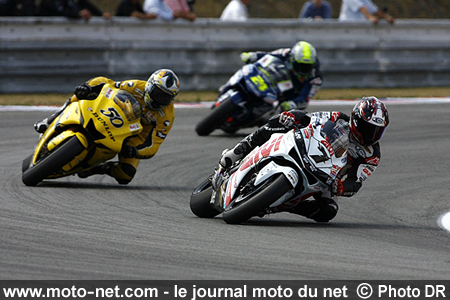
[(249, 98)]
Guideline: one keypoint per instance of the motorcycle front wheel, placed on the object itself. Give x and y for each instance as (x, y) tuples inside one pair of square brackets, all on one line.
[(200, 201), (216, 118), (257, 202), (53, 162)]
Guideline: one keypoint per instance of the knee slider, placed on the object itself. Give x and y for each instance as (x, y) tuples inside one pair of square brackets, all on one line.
[(327, 211), (124, 173), (129, 170), (123, 181)]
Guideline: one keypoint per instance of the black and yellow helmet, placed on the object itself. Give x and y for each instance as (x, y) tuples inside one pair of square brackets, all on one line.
[(161, 88)]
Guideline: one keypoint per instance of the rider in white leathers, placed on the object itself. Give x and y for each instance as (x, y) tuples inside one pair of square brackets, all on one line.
[(367, 122)]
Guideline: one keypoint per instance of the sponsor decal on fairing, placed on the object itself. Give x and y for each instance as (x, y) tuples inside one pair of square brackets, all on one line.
[(134, 127), (108, 93)]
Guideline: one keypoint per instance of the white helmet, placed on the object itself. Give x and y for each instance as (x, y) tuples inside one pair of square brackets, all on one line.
[(161, 88)]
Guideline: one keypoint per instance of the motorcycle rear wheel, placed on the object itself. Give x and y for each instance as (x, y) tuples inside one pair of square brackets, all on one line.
[(200, 201), (216, 118), (258, 202), (54, 161)]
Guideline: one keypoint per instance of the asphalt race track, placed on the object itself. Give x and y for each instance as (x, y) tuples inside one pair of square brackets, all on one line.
[(96, 229)]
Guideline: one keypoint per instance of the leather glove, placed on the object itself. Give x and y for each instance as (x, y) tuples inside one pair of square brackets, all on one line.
[(129, 151), (316, 84), (82, 91), (288, 105), (287, 119), (248, 57), (338, 187)]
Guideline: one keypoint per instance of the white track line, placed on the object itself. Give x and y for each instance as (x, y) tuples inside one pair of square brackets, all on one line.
[(444, 221)]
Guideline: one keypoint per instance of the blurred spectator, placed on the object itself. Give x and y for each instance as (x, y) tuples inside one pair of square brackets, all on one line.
[(356, 10), (191, 4), (236, 10), (17, 8), (164, 12), (316, 9), (133, 8), (77, 9), (182, 7)]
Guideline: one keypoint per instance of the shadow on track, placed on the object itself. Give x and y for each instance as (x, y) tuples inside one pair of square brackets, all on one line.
[(305, 223), (109, 186)]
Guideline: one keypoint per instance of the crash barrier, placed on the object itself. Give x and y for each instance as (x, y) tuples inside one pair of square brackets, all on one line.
[(39, 55)]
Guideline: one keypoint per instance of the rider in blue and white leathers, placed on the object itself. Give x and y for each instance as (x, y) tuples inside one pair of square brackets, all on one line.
[(304, 72), (367, 122)]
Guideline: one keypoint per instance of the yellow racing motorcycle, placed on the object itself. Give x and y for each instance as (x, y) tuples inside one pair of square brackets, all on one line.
[(85, 134)]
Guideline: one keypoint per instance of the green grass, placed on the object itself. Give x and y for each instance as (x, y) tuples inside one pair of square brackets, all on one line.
[(192, 96)]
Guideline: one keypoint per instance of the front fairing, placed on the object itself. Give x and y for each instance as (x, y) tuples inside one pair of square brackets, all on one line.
[(257, 81), (278, 147), (321, 158), (108, 120), (101, 125)]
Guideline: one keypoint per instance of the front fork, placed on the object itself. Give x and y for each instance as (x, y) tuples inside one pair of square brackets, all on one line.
[(217, 183)]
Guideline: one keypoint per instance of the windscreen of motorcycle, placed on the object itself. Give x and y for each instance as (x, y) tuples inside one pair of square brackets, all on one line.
[(279, 75), (326, 147), (129, 105), (336, 135)]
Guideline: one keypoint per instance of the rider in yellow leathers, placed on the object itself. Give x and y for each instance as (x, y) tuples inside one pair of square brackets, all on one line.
[(156, 97)]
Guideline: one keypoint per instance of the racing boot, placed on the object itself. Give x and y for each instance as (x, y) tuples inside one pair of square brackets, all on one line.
[(322, 210), (100, 170), (41, 126), (229, 157)]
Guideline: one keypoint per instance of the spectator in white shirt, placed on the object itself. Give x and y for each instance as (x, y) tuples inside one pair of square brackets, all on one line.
[(360, 10), (236, 10)]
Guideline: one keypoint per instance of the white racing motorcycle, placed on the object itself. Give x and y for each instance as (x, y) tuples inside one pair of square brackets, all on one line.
[(288, 168)]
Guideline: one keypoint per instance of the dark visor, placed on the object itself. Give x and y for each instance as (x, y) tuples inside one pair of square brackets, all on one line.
[(303, 68), (371, 133), (160, 98)]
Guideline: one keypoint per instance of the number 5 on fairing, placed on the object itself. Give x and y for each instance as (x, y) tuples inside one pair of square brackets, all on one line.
[(114, 117)]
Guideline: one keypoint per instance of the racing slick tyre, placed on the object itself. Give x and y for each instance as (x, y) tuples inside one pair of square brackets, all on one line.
[(200, 201), (216, 118), (26, 163), (51, 163), (257, 202)]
